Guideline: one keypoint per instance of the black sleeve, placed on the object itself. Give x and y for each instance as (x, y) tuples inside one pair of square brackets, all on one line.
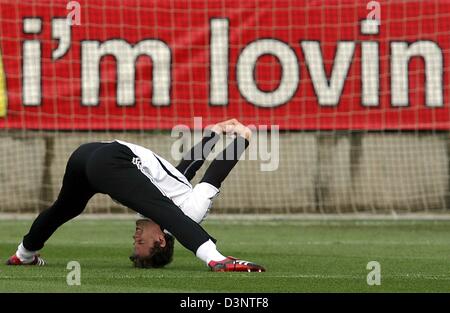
[(224, 162), (195, 157)]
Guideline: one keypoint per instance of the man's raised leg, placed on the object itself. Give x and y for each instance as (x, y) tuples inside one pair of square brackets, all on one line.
[(71, 202)]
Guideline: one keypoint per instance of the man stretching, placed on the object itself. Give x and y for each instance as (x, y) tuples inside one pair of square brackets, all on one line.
[(169, 206)]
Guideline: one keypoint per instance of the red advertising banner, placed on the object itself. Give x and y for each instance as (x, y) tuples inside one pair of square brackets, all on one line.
[(302, 65)]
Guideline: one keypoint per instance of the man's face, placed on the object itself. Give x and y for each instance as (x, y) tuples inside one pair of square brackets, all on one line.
[(146, 235)]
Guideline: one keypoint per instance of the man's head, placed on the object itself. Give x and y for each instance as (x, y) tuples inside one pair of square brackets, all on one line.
[(152, 247)]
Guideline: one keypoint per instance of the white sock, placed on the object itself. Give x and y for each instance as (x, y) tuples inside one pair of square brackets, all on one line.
[(208, 252), (24, 255)]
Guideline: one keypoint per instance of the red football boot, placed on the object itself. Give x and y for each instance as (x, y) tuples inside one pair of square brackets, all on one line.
[(231, 264), (14, 260)]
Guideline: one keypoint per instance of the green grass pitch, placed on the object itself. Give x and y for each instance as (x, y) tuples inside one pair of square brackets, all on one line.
[(300, 256)]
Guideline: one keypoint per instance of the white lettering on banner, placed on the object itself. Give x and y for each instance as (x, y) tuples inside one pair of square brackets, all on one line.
[(126, 55), (31, 65), (328, 90)]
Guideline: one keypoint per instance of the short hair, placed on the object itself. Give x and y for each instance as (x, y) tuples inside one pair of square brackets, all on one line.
[(158, 256)]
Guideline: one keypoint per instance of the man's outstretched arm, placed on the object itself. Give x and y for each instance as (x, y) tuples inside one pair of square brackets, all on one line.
[(199, 202), (225, 161), (196, 156)]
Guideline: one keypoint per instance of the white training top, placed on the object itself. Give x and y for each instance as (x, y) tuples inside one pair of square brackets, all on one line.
[(195, 202)]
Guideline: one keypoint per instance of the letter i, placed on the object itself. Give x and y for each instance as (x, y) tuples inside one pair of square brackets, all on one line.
[(31, 64), (370, 67)]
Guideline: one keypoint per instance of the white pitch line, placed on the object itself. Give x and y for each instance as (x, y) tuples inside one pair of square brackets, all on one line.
[(248, 275), (261, 217)]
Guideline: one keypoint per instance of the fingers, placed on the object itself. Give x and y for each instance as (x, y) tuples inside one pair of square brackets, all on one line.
[(225, 126), (244, 131), (218, 129), (240, 130), (233, 126), (229, 128)]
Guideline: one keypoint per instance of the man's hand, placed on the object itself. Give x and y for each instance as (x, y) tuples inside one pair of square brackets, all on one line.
[(220, 128), (239, 129), (232, 126)]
